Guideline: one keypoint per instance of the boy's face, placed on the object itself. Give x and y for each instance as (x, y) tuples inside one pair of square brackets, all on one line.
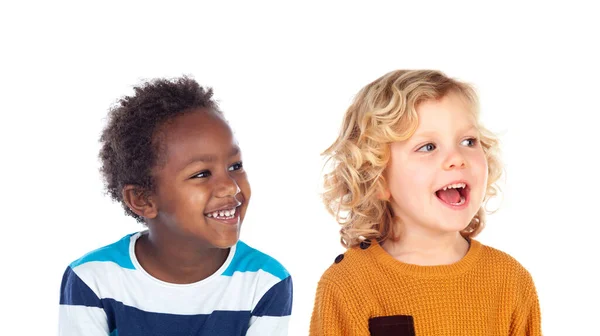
[(443, 153), (202, 191)]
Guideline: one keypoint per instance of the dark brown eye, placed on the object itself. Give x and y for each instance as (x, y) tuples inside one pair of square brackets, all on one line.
[(236, 166), (471, 142), (202, 174)]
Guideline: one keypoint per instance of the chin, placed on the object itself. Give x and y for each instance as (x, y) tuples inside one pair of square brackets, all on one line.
[(225, 242), (452, 226)]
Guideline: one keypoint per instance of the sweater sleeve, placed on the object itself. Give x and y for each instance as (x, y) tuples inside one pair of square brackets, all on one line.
[(335, 314), (527, 316), (534, 321)]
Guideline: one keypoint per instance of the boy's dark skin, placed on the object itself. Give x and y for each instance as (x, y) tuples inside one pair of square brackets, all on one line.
[(199, 171)]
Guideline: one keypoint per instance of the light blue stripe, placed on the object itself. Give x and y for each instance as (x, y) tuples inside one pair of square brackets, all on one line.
[(117, 252), (114, 333), (247, 259)]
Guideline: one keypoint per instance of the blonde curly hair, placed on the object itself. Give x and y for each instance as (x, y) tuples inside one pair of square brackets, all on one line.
[(384, 112)]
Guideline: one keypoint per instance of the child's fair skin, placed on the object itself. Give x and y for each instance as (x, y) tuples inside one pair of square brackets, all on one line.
[(444, 151), (195, 214)]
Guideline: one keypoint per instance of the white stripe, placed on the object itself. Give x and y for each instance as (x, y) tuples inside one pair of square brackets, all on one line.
[(265, 281), (269, 325), (81, 320), (239, 292)]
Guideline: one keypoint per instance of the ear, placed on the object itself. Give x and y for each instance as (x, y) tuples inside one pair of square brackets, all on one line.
[(384, 195), (138, 200)]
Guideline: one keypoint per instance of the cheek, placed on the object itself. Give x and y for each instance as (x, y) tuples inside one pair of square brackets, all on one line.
[(244, 185), (480, 171), (197, 196), (193, 196), (409, 181), (481, 167)]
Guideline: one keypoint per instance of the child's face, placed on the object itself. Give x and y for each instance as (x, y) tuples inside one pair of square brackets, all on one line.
[(442, 153), (202, 191)]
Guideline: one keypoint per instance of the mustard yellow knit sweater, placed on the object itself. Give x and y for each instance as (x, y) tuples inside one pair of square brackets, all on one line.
[(368, 292)]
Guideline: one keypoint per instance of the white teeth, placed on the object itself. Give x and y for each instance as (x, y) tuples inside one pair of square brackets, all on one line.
[(454, 186), (222, 213)]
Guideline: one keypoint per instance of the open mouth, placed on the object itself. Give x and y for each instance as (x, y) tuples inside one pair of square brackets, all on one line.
[(455, 194), (222, 214)]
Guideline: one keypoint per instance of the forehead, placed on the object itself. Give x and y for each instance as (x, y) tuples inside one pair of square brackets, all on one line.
[(450, 111), (194, 133)]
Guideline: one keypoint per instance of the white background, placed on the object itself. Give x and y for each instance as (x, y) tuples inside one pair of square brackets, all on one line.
[(284, 73)]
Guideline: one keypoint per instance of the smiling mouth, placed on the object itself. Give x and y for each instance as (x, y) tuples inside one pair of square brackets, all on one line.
[(455, 194), (222, 214)]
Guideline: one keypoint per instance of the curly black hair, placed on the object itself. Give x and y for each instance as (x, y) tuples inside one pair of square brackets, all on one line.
[(130, 148)]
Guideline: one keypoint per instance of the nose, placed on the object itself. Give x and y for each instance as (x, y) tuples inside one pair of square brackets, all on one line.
[(227, 187), (455, 160)]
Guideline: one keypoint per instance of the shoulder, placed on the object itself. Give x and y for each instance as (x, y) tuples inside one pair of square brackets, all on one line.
[(504, 265), (117, 253), (502, 271), (101, 267), (270, 280), (349, 267), (102, 264), (248, 259)]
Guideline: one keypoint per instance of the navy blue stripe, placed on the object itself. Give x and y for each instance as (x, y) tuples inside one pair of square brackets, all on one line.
[(135, 322), (112, 313), (73, 291), (277, 301)]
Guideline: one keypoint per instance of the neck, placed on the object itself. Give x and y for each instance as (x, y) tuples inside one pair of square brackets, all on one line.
[(178, 260), (424, 248)]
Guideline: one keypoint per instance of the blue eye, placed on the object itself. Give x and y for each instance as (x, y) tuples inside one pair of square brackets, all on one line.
[(427, 148), (202, 174), (471, 142), (236, 166)]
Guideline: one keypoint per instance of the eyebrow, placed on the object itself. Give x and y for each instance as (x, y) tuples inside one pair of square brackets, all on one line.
[(211, 158), (432, 134)]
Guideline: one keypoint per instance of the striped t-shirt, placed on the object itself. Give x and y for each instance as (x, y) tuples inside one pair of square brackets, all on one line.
[(107, 292)]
